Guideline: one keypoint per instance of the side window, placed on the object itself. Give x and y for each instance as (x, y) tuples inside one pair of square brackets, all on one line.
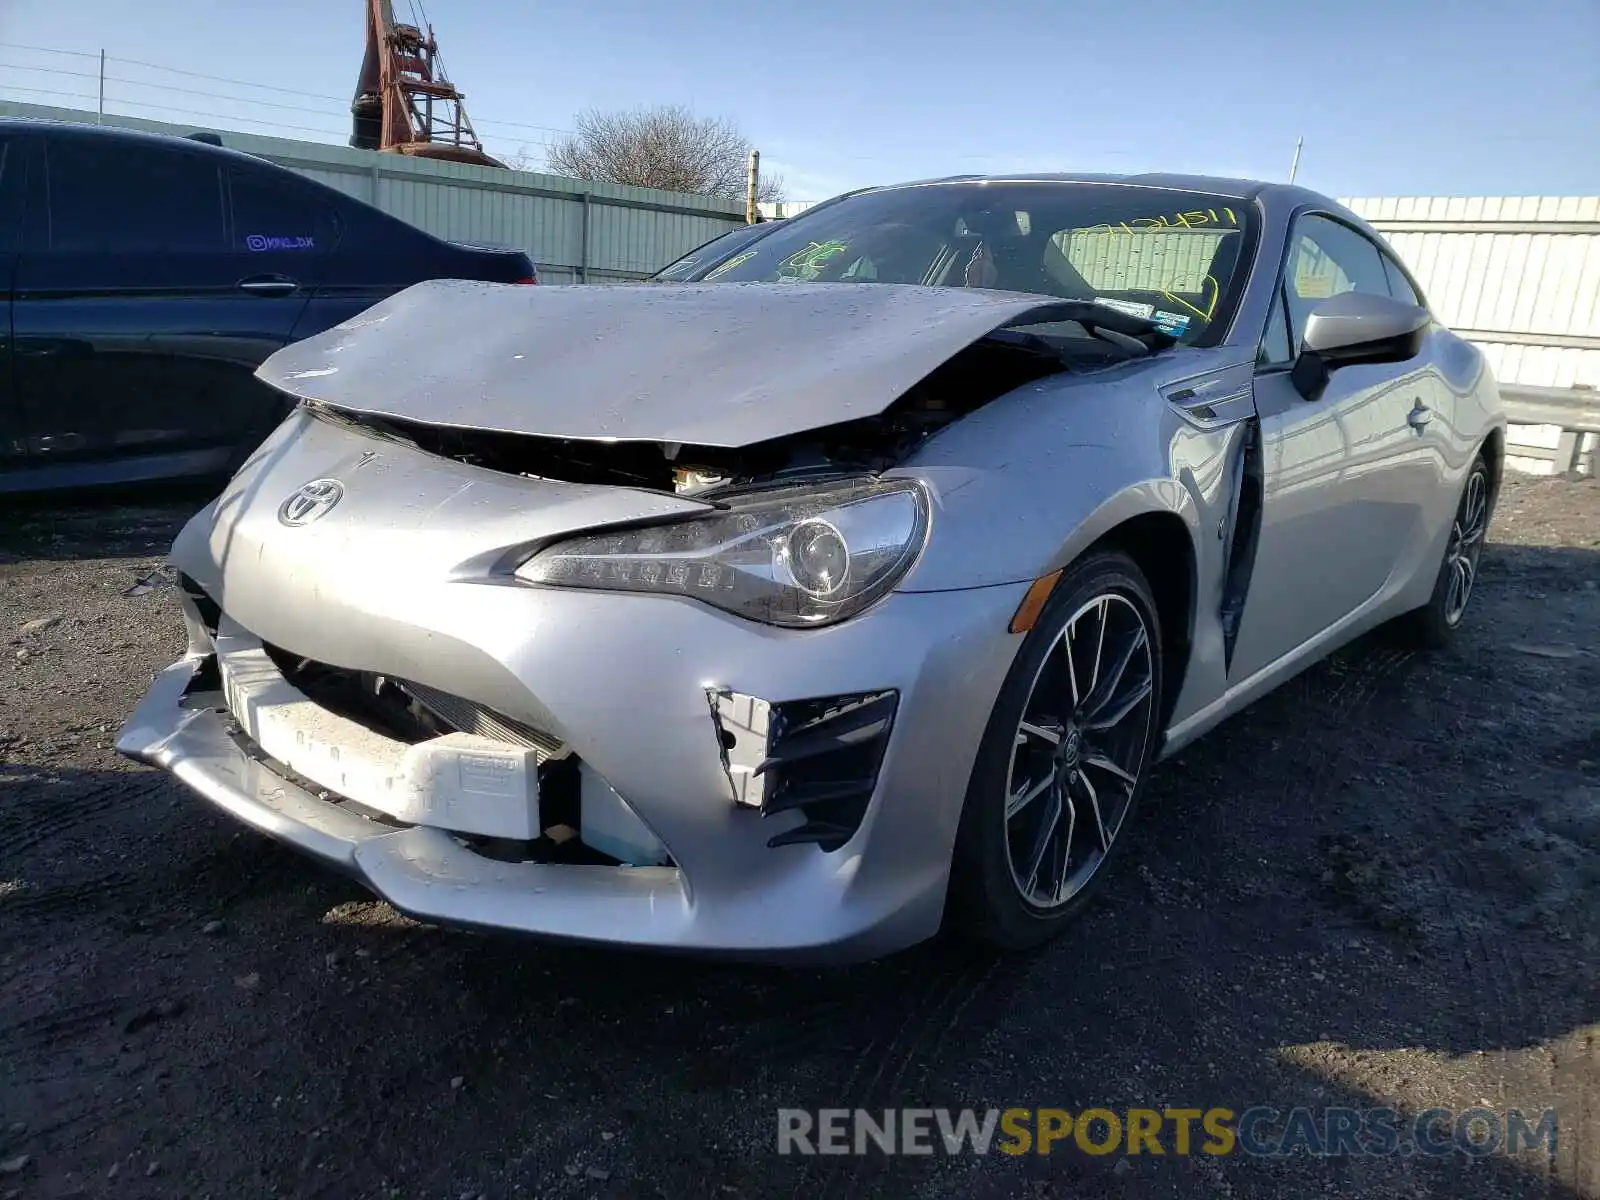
[(367, 230), (1277, 348), (1399, 286), (132, 198), (1328, 258), (276, 214)]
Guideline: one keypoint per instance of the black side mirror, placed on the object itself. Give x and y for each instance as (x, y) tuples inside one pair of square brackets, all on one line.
[(1355, 327)]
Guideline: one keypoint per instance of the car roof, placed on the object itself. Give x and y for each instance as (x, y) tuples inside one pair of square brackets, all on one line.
[(1271, 196), (117, 133)]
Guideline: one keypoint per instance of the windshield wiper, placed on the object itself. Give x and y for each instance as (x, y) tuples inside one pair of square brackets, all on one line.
[(1138, 336), (1030, 343)]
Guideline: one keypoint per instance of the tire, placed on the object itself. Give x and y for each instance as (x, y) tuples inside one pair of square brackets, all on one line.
[(1045, 738), (1435, 623)]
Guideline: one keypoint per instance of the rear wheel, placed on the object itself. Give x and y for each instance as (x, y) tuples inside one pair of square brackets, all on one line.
[(1435, 622), (1063, 759)]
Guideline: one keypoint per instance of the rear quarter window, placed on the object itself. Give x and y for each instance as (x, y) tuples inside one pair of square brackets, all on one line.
[(273, 214), (364, 229), (1399, 286)]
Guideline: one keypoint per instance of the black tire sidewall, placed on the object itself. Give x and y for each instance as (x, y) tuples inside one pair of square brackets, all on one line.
[(1428, 622), (983, 901)]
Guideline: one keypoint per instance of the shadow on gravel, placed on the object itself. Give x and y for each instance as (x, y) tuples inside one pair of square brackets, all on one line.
[(1379, 885), (102, 524)]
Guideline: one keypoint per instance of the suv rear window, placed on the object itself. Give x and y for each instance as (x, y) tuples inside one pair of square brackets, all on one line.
[(124, 198)]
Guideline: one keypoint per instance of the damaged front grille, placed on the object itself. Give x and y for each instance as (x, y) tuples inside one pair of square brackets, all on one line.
[(407, 711), (468, 716), (820, 757)]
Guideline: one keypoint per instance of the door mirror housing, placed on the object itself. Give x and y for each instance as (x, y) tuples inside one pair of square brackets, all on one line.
[(1356, 327)]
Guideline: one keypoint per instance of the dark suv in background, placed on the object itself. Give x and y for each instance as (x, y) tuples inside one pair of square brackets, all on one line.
[(144, 277)]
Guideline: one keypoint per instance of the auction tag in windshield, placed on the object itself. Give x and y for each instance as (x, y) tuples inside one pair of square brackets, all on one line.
[(1132, 307), (1171, 323)]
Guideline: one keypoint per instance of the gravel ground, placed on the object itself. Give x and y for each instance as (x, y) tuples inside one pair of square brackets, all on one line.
[(1379, 886)]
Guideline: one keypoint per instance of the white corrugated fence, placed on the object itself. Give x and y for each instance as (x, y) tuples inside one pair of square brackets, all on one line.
[(1517, 275)]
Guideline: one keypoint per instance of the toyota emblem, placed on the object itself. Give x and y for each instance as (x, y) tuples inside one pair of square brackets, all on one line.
[(310, 501)]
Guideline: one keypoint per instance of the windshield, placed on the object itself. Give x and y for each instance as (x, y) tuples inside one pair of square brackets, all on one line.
[(695, 263), (1178, 258)]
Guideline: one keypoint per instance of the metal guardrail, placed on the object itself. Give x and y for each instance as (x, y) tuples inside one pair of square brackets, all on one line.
[(1575, 410)]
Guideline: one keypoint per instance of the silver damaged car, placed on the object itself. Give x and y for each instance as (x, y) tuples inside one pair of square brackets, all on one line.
[(853, 591)]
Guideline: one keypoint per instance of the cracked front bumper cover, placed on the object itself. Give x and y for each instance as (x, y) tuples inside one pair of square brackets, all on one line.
[(428, 874)]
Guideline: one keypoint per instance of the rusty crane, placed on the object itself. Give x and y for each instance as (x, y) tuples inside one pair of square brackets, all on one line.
[(403, 102)]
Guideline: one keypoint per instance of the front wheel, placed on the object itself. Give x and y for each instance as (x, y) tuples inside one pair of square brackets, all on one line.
[(1063, 759)]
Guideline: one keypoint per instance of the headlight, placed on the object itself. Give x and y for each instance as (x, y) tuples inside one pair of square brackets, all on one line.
[(795, 556)]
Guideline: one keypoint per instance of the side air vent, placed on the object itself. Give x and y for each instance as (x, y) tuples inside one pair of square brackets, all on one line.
[(818, 757)]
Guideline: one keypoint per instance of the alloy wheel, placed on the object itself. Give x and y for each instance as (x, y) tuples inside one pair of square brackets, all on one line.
[(1465, 547), (1079, 749)]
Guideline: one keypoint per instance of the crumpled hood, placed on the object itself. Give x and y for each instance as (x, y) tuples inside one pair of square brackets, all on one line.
[(723, 364)]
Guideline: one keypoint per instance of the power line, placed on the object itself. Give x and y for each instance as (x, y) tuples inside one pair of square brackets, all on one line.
[(221, 121), (11, 87), (320, 112), (49, 50), (271, 87), (138, 62), (209, 118), (200, 117), (135, 62), (168, 87), (52, 71), (521, 125)]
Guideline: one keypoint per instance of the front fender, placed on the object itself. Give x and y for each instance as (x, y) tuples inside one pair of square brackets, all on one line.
[(1013, 503)]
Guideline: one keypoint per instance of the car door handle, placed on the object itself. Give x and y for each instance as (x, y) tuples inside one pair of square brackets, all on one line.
[(1419, 416), (268, 285)]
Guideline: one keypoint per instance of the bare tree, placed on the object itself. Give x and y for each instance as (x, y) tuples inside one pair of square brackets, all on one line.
[(521, 160), (663, 147)]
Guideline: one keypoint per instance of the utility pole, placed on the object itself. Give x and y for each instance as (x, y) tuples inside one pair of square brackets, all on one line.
[(751, 186), (101, 118), (1294, 167)]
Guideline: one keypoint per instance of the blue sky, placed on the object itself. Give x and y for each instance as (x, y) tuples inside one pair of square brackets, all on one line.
[(1393, 97)]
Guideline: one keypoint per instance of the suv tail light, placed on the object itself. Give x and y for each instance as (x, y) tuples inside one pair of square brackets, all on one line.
[(528, 279)]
